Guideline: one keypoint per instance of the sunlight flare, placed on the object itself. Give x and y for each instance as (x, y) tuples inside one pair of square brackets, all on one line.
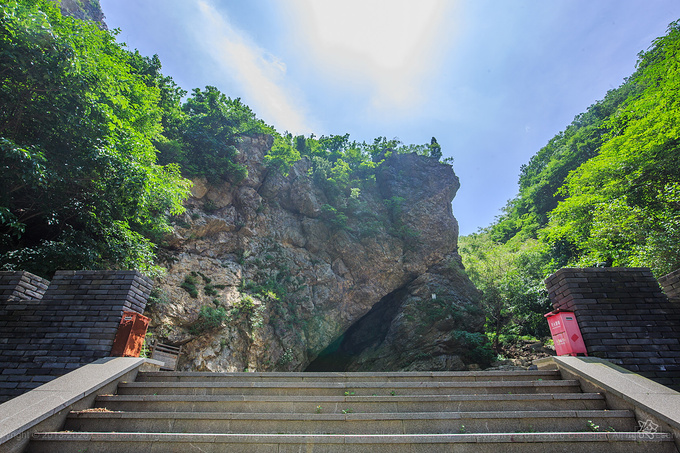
[(391, 45), (260, 74)]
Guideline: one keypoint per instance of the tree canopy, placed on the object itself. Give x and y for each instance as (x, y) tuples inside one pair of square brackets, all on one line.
[(204, 135), (605, 191), (622, 206), (80, 186)]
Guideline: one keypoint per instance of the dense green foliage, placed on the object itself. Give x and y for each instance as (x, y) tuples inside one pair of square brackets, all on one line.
[(209, 318), (95, 143), (203, 135), (547, 170), (606, 191), (82, 122), (510, 275), (80, 185), (623, 206)]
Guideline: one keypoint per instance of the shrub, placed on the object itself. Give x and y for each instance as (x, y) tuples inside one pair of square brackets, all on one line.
[(474, 347), (209, 206), (157, 297), (209, 318), (335, 218), (245, 306), (210, 290), (189, 285)]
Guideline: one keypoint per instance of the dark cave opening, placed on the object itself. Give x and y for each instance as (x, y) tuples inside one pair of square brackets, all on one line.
[(369, 331)]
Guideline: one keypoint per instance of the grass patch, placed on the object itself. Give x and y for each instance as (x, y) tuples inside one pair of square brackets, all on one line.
[(189, 285)]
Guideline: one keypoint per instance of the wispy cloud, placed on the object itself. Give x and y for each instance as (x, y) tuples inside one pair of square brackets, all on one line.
[(391, 45), (260, 74)]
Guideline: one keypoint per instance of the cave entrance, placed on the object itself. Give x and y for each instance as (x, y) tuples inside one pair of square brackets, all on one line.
[(368, 332)]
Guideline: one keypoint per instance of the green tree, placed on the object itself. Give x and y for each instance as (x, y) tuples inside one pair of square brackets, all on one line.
[(605, 190), (203, 137), (510, 277), (283, 154), (435, 149), (621, 207), (541, 178), (80, 186)]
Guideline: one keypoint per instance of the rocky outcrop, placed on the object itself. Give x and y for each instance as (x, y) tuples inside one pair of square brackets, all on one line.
[(279, 272), (89, 10)]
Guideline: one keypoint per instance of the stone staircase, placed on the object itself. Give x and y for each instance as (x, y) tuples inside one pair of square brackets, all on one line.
[(526, 411)]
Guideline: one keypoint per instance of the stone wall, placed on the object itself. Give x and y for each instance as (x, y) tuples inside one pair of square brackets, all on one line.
[(15, 286), (671, 285), (50, 328), (624, 317)]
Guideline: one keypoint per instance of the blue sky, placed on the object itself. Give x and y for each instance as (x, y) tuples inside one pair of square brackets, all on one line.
[(493, 81)]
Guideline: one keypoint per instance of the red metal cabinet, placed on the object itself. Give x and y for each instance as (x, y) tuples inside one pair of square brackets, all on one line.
[(566, 333), (130, 335)]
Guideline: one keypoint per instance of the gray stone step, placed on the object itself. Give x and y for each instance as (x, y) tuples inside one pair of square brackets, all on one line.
[(351, 422), (358, 388), (335, 404), (424, 376), (621, 442), (351, 412)]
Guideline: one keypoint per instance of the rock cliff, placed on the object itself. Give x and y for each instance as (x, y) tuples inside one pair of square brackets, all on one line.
[(89, 10), (267, 275)]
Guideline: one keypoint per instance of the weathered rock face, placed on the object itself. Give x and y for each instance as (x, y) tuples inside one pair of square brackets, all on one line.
[(278, 276), (85, 10)]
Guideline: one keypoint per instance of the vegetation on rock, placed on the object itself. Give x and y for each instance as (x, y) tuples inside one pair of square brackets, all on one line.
[(83, 9), (96, 144), (94, 139)]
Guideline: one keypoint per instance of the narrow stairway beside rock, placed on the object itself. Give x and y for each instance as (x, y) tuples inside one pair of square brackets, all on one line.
[(509, 411)]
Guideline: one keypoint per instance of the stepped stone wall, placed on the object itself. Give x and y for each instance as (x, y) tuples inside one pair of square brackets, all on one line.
[(624, 317), (24, 286), (50, 328), (671, 285)]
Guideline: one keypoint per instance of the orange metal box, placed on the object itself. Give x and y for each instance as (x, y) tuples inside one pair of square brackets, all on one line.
[(130, 335), (566, 333)]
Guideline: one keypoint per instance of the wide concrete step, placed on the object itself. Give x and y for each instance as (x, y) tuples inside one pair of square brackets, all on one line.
[(347, 388), (335, 404), (425, 376), (619, 442), (350, 422)]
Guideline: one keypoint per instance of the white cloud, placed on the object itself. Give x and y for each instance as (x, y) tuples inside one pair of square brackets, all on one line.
[(260, 74), (391, 45)]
